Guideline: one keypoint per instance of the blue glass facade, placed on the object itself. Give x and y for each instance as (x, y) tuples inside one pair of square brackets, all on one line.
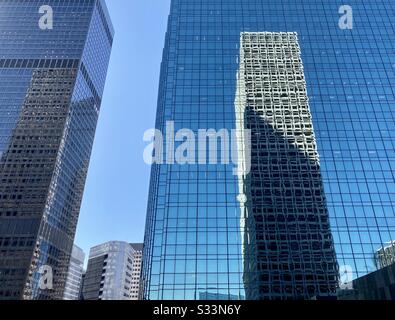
[(194, 242), (51, 84)]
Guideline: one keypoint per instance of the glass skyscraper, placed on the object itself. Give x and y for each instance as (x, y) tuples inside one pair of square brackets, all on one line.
[(51, 86), (198, 240)]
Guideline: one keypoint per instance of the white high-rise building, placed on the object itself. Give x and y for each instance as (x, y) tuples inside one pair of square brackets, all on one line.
[(136, 273), (74, 275), (112, 271)]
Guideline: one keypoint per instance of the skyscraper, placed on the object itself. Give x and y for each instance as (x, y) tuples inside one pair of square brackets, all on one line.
[(109, 272), (53, 63), (74, 275), (136, 270), (385, 256), (197, 230), (288, 246), (113, 271)]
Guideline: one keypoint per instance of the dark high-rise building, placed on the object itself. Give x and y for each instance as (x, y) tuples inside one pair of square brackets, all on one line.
[(53, 63), (202, 238), (377, 285)]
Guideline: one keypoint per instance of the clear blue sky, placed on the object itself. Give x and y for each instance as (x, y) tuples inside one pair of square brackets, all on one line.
[(115, 197)]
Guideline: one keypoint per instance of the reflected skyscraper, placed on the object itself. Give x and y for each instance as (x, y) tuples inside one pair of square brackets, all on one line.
[(385, 256), (196, 231), (51, 86), (288, 246)]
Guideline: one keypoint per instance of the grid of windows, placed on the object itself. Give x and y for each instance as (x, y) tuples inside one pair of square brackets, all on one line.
[(113, 272), (136, 274), (193, 240), (288, 247), (51, 86), (74, 275)]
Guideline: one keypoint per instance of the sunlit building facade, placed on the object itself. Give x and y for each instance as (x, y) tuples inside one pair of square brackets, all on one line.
[(74, 275), (113, 272)]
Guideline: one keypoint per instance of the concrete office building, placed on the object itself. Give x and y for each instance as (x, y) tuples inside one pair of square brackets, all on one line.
[(136, 270), (112, 272)]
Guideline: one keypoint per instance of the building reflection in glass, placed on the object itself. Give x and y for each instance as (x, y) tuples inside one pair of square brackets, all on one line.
[(288, 247)]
